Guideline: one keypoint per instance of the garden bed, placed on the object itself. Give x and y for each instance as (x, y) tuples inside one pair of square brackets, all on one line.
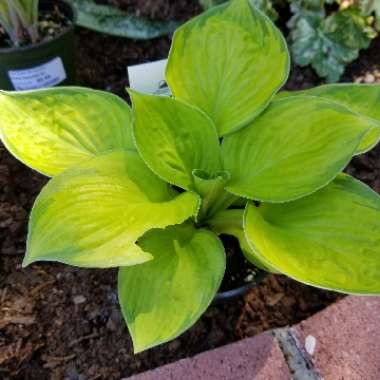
[(58, 322)]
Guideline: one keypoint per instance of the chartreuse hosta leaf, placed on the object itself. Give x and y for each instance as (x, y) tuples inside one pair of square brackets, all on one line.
[(229, 62), (330, 239), (162, 298), (295, 147), (51, 130), (360, 98), (92, 215), (174, 138)]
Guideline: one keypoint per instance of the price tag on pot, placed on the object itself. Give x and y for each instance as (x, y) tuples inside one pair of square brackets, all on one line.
[(47, 75), (149, 77)]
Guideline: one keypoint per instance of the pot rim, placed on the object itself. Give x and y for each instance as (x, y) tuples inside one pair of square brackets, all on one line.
[(233, 293), (38, 45)]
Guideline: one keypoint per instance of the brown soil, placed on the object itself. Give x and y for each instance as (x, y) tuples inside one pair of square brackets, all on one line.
[(158, 10), (58, 322), (51, 24)]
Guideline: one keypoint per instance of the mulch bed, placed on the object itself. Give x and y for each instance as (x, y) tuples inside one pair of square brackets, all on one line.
[(58, 322)]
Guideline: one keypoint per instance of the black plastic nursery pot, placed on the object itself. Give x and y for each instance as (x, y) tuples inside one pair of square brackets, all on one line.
[(240, 290), (46, 64), (240, 276)]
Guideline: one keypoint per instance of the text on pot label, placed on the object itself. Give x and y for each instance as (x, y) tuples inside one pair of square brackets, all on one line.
[(47, 75)]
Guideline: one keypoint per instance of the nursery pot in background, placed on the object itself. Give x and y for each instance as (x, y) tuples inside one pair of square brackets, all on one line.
[(45, 64)]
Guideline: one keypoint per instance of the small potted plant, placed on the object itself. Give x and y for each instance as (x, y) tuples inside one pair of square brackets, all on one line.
[(151, 189), (36, 44)]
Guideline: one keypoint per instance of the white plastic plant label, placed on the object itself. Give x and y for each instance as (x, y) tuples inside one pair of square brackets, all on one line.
[(47, 75), (149, 77)]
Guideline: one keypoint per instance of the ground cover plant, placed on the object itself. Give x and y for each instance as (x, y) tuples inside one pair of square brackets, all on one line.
[(149, 190), (329, 34)]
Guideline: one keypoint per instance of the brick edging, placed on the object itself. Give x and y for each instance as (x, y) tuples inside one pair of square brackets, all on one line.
[(342, 342)]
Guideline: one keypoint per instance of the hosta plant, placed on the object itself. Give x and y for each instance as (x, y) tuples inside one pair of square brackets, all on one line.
[(150, 189), (19, 18)]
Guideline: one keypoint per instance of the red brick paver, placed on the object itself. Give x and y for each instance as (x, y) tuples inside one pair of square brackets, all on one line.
[(258, 358), (343, 341)]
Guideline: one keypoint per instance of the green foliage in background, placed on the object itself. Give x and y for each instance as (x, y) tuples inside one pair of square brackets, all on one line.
[(19, 18), (328, 41), (111, 20), (370, 7), (150, 189), (326, 34)]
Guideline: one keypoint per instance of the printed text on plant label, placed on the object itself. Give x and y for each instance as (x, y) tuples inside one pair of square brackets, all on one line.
[(46, 75)]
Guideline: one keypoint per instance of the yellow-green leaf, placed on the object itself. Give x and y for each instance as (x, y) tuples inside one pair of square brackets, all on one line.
[(229, 62), (53, 129), (92, 215), (329, 239), (363, 99), (298, 145), (166, 296), (174, 138)]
